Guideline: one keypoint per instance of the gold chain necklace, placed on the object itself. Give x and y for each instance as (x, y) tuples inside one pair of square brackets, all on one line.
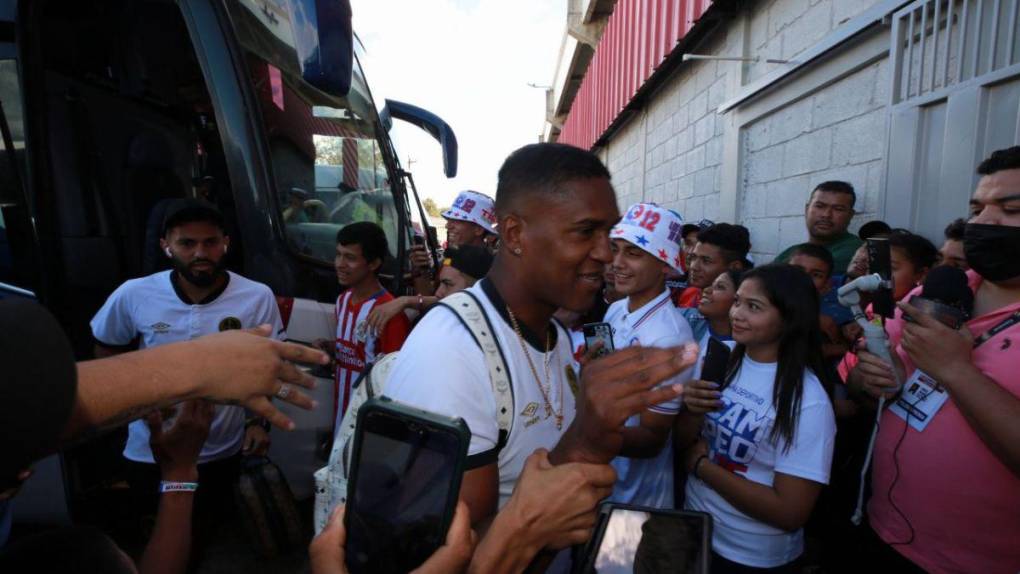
[(547, 388)]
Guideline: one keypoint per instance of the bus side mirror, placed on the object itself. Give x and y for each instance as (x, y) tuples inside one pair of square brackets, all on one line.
[(429, 122)]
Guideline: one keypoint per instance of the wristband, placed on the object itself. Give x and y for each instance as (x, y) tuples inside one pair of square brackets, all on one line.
[(170, 486), (697, 463)]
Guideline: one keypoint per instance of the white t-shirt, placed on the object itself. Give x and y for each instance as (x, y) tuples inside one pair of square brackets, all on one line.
[(649, 481), (150, 309), (738, 439), (442, 369)]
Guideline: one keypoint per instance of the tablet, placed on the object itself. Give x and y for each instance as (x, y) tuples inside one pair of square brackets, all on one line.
[(648, 540)]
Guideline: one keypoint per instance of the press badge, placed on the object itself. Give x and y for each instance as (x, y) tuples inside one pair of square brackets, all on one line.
[(920, 401)]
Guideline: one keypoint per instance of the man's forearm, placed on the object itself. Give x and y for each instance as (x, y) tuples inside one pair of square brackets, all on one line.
[(122, 388), (991, 410), (169, 549), (505, 547)]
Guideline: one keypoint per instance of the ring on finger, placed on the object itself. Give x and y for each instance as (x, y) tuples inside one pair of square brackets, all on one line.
[(284, 391)]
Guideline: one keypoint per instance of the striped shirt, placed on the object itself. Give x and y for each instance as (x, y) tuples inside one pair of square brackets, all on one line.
[(357, 346)]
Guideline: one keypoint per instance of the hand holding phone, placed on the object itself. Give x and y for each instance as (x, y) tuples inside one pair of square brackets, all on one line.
[(407, 466)]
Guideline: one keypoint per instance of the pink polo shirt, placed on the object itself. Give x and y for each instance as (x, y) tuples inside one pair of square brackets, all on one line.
[(962, 501)]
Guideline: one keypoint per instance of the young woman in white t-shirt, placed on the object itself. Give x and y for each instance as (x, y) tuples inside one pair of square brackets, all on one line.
[(765, 446)]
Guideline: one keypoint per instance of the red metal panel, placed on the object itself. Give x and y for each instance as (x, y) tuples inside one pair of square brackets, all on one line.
[(638, 37)]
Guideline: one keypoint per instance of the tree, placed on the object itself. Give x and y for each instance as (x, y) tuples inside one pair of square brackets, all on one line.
[(430, 207)]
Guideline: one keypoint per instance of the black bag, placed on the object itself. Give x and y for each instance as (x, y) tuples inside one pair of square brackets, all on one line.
[(267, 509)]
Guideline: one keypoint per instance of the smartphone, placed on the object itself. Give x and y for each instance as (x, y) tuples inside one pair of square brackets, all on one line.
[(638, 539), (404, 484), (717, 360), (879, 261), (595, 332)]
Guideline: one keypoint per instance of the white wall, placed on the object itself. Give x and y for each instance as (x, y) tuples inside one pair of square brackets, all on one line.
[(676, 153)]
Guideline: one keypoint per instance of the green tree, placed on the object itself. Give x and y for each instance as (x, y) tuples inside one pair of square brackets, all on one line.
[(430, 207)]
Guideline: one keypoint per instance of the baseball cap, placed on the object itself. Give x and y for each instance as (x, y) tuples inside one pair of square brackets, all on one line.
[(873, 229), (653, 229), (689, 227), (471, 260), (188, 209), (474, 207)]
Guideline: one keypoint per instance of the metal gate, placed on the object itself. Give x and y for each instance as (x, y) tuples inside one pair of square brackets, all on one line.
[(955, 99)]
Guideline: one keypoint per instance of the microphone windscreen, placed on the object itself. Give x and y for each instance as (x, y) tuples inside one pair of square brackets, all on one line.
[(948, 285)]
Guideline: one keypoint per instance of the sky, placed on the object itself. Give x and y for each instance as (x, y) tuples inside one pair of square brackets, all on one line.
[(469, 62)]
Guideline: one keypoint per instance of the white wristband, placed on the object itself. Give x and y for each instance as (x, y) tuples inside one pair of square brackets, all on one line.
[(168, 486)]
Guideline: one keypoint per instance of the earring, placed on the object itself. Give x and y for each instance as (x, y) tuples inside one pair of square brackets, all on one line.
[(517, 250), (167, 251)]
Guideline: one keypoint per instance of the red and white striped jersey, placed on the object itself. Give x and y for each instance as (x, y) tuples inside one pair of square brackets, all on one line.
[(356, 346)]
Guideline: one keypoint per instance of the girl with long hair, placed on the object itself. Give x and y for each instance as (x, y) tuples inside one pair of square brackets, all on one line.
[(767, 433)]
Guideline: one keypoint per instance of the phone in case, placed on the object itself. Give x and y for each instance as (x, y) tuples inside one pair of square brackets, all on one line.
[(637, 539), (404, 484), (717, 360), (595, 332)]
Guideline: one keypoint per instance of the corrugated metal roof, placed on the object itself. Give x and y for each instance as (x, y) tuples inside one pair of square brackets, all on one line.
[(639, 36)]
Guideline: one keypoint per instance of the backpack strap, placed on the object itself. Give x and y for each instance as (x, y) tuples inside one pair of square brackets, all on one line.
[(468, 309)]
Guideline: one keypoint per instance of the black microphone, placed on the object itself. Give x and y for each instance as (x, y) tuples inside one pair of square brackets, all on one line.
[(946, 296), (879, 261)]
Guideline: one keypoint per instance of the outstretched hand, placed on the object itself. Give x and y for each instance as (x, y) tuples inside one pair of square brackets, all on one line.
[(248, 368), (614, 388)]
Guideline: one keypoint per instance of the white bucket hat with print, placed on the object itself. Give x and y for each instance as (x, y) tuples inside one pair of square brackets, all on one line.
[(654, 229), (474, 207)]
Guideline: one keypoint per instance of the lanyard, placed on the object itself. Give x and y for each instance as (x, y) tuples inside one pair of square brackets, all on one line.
[(998, 328)]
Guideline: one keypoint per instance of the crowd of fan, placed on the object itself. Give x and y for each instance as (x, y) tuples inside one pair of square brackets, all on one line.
[(773, 452)]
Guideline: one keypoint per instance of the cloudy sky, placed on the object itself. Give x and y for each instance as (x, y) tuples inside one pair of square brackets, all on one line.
[(470, 62)]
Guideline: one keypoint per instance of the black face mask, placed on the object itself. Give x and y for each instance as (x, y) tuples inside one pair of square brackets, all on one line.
[(993, 250)]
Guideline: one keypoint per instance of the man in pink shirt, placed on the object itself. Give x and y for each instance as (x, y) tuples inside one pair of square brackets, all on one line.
[(946, 477)]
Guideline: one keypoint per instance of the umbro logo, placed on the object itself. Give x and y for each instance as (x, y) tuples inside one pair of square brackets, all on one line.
[(160, 327), (530, 410)]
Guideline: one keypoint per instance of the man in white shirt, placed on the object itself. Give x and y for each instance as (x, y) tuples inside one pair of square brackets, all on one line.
[(197, 297), (646, 248), (555, 207)]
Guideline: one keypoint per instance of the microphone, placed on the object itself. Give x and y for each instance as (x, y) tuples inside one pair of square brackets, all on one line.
[(946, 296)]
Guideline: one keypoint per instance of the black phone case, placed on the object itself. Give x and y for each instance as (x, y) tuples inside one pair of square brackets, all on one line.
[(587, 564), (717, 359), (432, 421)]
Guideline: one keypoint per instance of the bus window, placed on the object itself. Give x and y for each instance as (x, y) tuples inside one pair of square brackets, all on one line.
[(16, 238), (327, 154)]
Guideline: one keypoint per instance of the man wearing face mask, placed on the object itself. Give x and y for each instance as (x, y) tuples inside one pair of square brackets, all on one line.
[(946, 469), (197, 297)]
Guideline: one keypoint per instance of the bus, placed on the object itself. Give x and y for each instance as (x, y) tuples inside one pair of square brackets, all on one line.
[(109, 109)]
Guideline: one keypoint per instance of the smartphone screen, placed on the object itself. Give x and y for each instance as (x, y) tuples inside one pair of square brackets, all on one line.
[(648, 540), (404, 487), (594, 332)]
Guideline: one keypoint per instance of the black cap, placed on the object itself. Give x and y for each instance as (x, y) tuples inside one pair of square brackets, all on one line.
[(874, 229), (39, 385), (689, 227), (471, 260), (188, 210)]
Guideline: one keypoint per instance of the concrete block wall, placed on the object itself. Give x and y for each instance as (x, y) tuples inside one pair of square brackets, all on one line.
[(672, 153), (783, 29), (837, 133)]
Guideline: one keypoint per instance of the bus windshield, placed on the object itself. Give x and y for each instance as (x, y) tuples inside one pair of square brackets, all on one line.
[(327, 151)]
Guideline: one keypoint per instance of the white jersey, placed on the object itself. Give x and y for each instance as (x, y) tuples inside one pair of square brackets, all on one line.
[(442, 369), (151, 310), (738, 439), (649, 481)]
